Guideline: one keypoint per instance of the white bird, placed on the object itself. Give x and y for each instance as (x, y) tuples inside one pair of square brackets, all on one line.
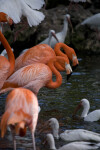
[(93, 22), (46, 41), (72, 146), (72, 135), (92, 116), (4, 53), (28, 8), (51, 36), (61, 35)]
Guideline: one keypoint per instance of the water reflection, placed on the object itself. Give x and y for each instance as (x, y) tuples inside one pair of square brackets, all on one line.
[(60, 103)]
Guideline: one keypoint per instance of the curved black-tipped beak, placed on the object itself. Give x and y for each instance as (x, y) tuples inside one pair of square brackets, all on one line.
[(74, 67), (68, 76), (55, 37), (12, 27)]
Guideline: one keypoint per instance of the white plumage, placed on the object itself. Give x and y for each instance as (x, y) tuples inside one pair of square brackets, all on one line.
[(71, 146), (28, 8), (92, 116), (73, 135), (61, 35), (93, 21)]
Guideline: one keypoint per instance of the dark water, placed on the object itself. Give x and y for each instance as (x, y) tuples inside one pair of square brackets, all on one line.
[(60, 103)]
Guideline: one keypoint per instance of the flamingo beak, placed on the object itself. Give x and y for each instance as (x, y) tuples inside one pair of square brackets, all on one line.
[(74, 67), (77, 108), (68, 76), (53, 34), (70, 24)]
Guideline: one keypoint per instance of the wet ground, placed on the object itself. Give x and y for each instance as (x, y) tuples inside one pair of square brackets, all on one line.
[(60, 103)]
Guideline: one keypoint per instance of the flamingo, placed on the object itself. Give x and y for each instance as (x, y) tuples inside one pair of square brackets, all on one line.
[(6, 66), (28, 8), (62, 34), (5, 18), (36, 76), (4, 53), (43, 53), (46, 41), (93, 22), (71, 146), (92, 116), (72, 135), (21, 111)]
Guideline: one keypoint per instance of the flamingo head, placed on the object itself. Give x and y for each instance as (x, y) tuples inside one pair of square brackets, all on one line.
[(75, 62), (68, 70)]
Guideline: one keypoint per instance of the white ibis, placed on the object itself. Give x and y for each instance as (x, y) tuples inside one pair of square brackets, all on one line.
[(52, 36), (28, 8), (72, 135), (92, 116), (63, 33), (72, 146), (93, 22), (4, 53)]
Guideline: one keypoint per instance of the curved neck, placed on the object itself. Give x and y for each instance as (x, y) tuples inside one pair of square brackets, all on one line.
[(51, 83), (10, 54), (85, 111), (68, 50), (3, 17)]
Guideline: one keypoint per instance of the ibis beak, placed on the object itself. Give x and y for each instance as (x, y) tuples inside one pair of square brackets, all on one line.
[(74, 67), (70, 24), (77, 108), (55, 37)]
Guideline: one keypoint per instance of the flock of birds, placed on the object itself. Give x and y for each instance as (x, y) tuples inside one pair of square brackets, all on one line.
[(33, 70)]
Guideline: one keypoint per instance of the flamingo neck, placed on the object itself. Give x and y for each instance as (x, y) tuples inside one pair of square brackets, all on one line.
[(86, 108), (10, 54), (57, 83)]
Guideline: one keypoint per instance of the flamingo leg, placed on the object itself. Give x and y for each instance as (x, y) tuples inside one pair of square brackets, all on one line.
[(14, 139), (33, 138)]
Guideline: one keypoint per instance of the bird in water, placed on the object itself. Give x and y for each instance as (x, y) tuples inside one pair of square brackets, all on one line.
[(71, 135), (43, 53), (94, 23), (21, 111), (90, 117), (73, 145), (36, 76), (6, 65), (15, 9)]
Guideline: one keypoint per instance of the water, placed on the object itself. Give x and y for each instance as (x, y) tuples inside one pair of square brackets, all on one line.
[(60, 103)]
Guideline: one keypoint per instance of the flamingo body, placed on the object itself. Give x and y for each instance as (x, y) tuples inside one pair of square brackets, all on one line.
[(39, 53), (71, 146), (35, 76), (28, 8), (21, 110)]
